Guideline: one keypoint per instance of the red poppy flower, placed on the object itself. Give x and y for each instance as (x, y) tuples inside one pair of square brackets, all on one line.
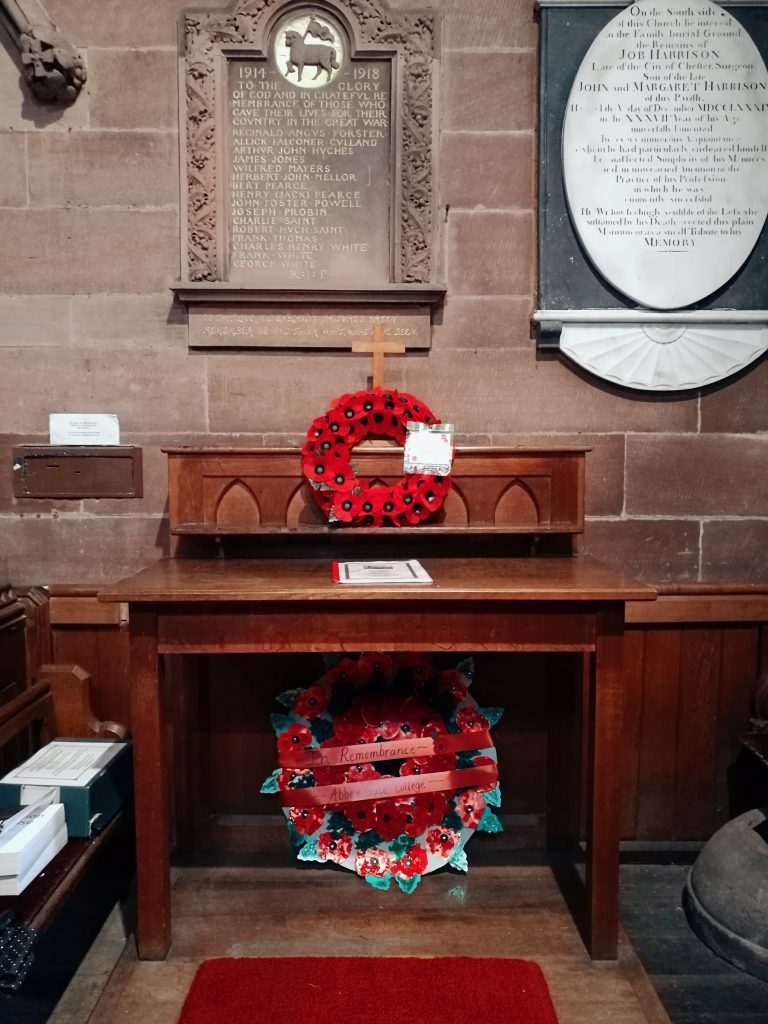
[(418, 719), (484, 760), (470, 806), (434, 805), (453, 682), (349, 726), (414, 862), (336, 847), (470, 720), (420, 666), (368, 664), (337, 424), (315, 468), (307, 819), (382, 713), (389, 819), (328, 775), (289, 775), (311, 702), (415, 818), (295, 737), (373, 862), (361, 814), (341, 400), (442, 840), (417, 511), (347, 506), (344, 671), (361, 773)]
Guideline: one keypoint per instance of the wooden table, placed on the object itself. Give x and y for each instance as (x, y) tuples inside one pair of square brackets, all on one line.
[(193, 606)]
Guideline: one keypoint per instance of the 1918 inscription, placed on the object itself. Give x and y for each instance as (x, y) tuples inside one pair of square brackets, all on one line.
[(309, 160)]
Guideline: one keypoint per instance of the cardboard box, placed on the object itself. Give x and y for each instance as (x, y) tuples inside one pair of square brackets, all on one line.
[(93, 778)]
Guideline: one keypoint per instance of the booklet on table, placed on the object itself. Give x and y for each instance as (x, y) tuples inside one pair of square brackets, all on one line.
[(377, 572)]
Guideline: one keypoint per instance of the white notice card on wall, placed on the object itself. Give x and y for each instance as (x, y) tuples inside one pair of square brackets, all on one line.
[(84, 428)]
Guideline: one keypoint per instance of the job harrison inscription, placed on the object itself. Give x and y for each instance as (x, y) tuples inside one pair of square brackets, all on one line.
[(665, 150), (309, 160)]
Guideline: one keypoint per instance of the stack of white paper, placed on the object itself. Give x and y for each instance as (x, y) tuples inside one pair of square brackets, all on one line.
[(30, 838)]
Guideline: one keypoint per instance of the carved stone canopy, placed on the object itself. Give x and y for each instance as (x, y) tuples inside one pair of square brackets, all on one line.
[(52, 68), (213, 39)]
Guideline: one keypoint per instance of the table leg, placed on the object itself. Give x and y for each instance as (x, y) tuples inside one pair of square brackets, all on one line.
[(150, 785), (604, 736)]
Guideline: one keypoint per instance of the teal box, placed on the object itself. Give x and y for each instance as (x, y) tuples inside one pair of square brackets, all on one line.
[(90, 803)]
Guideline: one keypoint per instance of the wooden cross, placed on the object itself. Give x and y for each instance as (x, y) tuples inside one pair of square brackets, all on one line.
[(380, 347)]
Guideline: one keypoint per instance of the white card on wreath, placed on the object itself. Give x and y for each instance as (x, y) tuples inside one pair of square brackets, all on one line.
[(429, 449)]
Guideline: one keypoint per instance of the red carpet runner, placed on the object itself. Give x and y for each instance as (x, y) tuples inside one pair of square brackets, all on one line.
[(368, 990)]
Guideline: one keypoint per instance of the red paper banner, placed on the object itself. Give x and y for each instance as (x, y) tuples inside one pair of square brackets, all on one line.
[(364, 753), (381, 789)]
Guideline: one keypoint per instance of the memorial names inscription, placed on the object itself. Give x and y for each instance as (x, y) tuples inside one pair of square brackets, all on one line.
[(309, 160), (665, 150)]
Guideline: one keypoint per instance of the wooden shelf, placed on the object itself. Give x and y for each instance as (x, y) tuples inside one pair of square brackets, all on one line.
[(231, 492)]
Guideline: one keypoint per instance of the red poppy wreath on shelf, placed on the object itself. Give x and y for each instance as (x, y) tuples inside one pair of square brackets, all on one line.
[(326, 461), (386, 767)]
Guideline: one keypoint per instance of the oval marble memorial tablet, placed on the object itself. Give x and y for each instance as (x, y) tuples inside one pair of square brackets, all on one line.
[(665, 151)]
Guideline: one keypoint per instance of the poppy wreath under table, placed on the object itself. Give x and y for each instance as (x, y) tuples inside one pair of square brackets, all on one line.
[(326, 461), (386, 769)]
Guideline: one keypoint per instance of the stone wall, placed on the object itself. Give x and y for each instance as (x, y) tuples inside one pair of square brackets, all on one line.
[(677, 487)]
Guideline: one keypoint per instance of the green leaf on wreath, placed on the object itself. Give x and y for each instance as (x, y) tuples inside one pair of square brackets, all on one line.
[(338, 822), (309, 851), (400, 846), (297, 839), (467, 669), (465, 759), (452, 821), (493, 797), (492, 714), (269, 785), (458, 859), (322, 729), (489, 822), (280, 723), (367, 840), (379, 883), (408, 884), (287, 698)]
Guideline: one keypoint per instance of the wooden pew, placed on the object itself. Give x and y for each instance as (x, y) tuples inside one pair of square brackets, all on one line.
[(56, 705)]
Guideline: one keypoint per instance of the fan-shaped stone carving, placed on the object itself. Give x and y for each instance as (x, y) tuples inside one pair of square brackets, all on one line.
[(663, 357)]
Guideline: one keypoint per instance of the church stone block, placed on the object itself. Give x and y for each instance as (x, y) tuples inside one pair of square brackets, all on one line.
[(494, 24), (487, 91), (73, 250), (133, 89), (126, 169), (488, 169), (135, 321), (13, 170), (48, 327), (486, 321), (696, 476), (488, 253), (669, 548)]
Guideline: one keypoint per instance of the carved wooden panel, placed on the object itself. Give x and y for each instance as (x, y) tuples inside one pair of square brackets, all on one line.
[(230, 491)]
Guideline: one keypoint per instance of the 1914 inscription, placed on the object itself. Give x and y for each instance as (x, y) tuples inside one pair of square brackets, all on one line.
[(309, 161), (665, 150)]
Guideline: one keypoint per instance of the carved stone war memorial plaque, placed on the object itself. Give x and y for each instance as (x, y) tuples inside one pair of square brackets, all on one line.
[(665, 174), (309, 174)]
